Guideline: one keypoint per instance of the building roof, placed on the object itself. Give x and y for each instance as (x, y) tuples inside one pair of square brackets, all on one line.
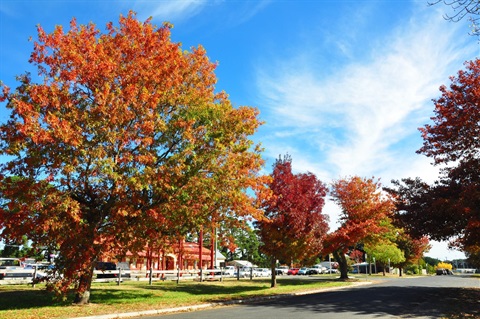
[(240, 263)]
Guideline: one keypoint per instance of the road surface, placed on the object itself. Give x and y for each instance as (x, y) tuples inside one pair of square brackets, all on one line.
[(407, 297)]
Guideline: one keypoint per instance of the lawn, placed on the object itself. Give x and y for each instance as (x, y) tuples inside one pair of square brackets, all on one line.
[(25, 302)]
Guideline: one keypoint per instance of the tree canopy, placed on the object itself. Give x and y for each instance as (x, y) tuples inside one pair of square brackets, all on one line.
[(386, 254), (450, 208), (365, 212), (293, 227), (123, 143)]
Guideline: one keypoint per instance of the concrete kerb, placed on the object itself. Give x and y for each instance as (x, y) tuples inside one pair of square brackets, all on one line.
[(215, 304)]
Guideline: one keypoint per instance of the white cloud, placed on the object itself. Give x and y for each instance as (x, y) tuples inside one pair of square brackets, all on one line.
[(440, 250), (170, 10), (363, 119), (248, 12), (182, 10)]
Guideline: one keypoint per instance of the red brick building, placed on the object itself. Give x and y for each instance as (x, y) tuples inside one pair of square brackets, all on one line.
[(184, 254)]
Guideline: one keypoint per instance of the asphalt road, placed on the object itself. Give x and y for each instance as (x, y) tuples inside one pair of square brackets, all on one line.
[(419, 297)]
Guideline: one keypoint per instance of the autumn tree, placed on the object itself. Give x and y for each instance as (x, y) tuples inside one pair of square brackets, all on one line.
[(294, 226), (450, 208), (365, 210), (123, 143), (413, 249), (444, 265)]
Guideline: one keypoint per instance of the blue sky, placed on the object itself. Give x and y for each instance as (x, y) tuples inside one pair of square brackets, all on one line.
[(342, 85)]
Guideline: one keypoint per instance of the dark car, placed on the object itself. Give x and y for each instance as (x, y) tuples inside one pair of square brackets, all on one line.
[(442, 271), (108, 269), (314, 271)]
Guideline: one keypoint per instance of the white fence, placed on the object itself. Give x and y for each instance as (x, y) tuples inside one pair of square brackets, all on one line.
[(25, 276)]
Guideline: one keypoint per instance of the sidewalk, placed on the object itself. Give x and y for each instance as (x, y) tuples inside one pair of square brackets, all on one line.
[(215, 304)]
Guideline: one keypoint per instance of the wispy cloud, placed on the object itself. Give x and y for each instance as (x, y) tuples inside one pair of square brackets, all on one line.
[(6, 10), (248, 11), (362, 119), (176, 11), (165, 10)]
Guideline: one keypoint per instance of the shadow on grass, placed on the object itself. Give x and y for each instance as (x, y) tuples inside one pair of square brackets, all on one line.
[(110, 294), (26, 299), (236, 287)]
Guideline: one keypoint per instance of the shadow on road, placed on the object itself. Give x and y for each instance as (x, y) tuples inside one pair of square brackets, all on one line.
[(394, 301)]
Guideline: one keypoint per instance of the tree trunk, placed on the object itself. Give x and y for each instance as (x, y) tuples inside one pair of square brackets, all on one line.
[(82, 296), (274, 274), (342, 264)]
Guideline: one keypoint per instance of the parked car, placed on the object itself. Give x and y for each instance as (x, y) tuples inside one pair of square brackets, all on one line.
[(293, 271), (281, 270), (106, 269), (263, 272), (330, 271), (211, 272), (322, 268), (11, 268), (229, 271), (441, 271), (302, 271), (42, 270), (313, 271), (246, 271)]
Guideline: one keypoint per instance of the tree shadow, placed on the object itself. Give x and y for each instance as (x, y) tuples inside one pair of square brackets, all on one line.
[(382, 301), (211, 289), (28, 299), (25, 299)]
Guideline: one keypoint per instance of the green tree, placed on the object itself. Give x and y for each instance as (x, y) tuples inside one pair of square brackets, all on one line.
[(10, 250), (431, 261), (385, 254), (244, 244)]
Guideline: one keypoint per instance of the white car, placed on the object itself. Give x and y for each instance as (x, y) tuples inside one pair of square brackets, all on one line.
[(246, 271), (40, 270), (229, 270), (282, 270), (263, 272), (330, 271), (11, 268)]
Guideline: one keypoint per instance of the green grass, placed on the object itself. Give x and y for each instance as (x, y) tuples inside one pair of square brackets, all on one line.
[(25, 302)]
